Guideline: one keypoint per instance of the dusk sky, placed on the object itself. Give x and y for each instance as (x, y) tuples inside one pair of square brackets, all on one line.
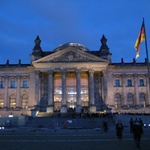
[(82, 21)]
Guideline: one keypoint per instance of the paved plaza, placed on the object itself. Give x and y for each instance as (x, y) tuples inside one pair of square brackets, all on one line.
[(69, 139)]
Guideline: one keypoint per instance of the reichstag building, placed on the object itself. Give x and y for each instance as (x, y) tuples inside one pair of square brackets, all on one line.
[(72, 77)]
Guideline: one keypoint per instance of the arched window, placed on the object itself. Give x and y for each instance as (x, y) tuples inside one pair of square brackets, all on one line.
[(12, 101), (1, 101), (24, 101), (130, 100), (142, 100), (118, 102)]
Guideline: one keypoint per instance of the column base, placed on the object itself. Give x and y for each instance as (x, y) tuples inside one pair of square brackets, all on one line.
[(63, 109), (92, 109), (5, 108), (137, 107), (50, 109), (125, 107), (78, 109), (17, 108)]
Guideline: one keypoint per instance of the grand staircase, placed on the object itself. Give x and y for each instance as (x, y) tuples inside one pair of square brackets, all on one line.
[(54, 120)]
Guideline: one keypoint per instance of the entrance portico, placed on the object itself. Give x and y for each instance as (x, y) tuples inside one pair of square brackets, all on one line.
[(70, 78)]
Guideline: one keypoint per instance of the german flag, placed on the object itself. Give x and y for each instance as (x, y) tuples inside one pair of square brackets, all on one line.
[(141, 38)]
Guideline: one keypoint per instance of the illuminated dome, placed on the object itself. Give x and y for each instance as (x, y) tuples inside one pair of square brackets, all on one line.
[(69, 45)]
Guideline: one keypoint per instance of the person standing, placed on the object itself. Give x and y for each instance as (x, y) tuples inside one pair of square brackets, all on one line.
[(105, 126), (131, 125), (137, 132), (119, 129)]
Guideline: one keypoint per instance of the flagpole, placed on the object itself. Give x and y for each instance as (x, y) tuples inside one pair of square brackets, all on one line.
[(147, 58)]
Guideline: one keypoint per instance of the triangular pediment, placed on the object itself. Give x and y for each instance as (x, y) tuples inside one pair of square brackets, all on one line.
[(70, 55)]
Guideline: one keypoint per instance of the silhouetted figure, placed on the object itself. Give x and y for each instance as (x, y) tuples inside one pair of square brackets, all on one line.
[(105, 126), (119, 129), (131, 125), (137, 132)]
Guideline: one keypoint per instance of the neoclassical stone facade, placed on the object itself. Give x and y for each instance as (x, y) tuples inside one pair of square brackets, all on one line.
[(72, 77)]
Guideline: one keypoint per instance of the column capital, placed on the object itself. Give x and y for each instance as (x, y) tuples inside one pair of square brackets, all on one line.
[(63, 71), (78, 70), (50, 71), (91, 71)]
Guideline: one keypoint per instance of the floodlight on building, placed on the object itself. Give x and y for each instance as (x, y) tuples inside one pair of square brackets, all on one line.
[(37, 113)]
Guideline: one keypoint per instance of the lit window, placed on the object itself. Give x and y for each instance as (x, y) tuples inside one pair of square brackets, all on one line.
[(1, 84), (141, 82), (24, 101), (117, 83), (118, 100), (129, 82), (25, 84), (130, 100), (12, 84)]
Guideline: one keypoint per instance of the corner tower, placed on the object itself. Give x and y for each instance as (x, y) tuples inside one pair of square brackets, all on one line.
[(37, 51), (104, 50)]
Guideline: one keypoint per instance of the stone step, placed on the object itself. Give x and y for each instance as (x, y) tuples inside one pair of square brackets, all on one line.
[(51, 122)]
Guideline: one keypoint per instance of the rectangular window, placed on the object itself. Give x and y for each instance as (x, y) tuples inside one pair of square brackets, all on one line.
[(12, 84), (141, 82), (1, 84), (117, 83), (25, 84), (129, 82)]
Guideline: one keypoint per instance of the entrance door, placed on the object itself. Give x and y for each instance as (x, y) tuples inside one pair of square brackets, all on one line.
[(71, 91), (71, 102)]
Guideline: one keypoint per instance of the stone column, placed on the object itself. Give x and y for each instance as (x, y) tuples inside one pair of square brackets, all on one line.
[(78, 88), (32, 88), (124, 99), (18, 99), (37, 89), (6, 99), (63, 105), (102, 91), (136, 91), (50, 107), (91, 88), (40, 87)]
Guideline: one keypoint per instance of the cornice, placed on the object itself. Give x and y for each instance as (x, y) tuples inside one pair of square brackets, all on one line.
[(88, 65)]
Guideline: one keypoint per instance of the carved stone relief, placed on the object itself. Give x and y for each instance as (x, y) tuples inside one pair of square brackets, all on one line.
[(71, 56)]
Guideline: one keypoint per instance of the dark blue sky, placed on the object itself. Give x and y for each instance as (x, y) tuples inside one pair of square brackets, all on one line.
[(82, 21)]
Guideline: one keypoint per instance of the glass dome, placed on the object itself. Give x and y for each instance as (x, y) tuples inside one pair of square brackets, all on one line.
[(75, 45)]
